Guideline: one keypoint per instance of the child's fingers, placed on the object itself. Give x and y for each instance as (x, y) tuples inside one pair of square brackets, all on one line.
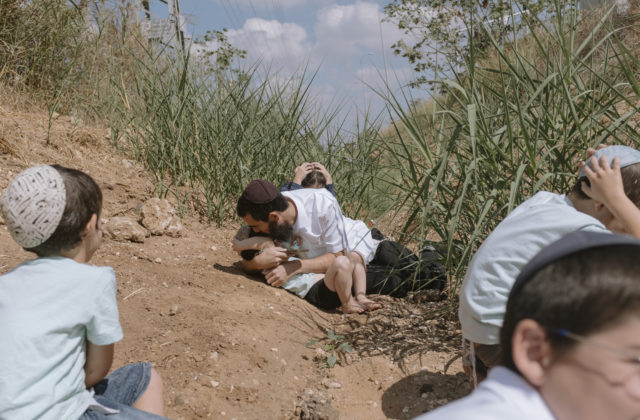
[(616, 164)]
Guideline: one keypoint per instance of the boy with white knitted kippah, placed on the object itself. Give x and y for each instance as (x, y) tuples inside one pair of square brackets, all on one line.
[(59, 315)]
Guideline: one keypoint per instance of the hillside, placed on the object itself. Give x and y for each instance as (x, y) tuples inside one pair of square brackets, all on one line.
[(227, 345)]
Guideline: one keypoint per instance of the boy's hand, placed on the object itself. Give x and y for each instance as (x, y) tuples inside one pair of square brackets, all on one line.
[(590, 152), (302, 171), (606, 181), (279, 275), (320, 168)]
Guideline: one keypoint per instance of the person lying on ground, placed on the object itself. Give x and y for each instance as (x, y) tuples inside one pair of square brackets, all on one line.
[(570, 338), (531, 226), (298, 284), (59, 314), (310, 175), (311, 221)]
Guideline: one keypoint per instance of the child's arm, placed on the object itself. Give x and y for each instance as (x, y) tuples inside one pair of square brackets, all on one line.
[(606, 187), (256, 242), (98, 363)]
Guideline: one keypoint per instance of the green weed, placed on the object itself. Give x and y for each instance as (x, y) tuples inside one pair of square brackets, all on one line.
[(334, 345)]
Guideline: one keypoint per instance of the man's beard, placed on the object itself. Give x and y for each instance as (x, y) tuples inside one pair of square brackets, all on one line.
[(280, 232)]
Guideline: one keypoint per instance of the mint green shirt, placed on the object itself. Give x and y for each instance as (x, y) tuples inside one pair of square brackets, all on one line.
[(49, 308)]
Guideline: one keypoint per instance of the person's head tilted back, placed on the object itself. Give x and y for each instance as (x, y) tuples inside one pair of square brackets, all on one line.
[(572, 326)]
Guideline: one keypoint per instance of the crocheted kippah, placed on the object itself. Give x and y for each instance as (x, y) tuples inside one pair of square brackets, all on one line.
[(32, 205)]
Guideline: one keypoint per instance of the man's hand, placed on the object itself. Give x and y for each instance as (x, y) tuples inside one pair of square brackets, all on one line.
[(268, 258), (279, 275), (301, 172), (272, 256)]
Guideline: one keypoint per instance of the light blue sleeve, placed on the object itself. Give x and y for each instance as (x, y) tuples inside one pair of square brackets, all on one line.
[(104, 327)]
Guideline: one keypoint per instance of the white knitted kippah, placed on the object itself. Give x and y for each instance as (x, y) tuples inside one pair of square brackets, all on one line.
[(32, 205)]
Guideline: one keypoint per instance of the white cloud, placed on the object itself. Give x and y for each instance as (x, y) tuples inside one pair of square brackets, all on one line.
[(276, 4), (347, 30), (271, 42)]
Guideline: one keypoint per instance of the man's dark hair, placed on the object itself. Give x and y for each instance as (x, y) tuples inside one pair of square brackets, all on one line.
[(630, 180), (583, 293), (83, 199), (314, 178), (260, 212)]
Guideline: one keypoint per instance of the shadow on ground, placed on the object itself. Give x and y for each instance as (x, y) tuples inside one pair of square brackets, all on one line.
[(422, 392)]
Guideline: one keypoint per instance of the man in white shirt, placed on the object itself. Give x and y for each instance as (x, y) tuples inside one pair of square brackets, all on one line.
[(311, 223)]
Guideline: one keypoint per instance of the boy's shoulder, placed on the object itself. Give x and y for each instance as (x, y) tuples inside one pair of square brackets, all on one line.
[(59, 267)]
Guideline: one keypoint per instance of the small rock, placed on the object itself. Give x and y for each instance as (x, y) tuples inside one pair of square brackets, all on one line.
[(173, 310), (213, 248), (274, 349), (214, 383), (214, 355), (158, 260), (164, 283), (124, 229), (160, 218), (405, 410)]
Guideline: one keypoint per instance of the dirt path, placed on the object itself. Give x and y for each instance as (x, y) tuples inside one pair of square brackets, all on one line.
[(227, 345)]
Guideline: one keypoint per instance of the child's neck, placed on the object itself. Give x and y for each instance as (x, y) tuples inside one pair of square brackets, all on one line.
[(77, 253)]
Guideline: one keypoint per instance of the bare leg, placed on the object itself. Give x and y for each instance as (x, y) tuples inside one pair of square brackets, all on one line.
[(339, 279), (360, 282), (151, 400)]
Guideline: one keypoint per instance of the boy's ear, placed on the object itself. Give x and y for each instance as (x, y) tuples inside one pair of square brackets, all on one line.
[(91, 224), (531, 349)]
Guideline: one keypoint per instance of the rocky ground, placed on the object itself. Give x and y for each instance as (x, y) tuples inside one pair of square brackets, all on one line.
[(228, 345)]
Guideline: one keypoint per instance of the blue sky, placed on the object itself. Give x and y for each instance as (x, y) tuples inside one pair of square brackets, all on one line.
[(346, 40)]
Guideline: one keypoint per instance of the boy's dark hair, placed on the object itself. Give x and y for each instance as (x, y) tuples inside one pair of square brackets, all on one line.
[(630, 181), (582, 293), (83, 199), (260, 212), (314, 178)]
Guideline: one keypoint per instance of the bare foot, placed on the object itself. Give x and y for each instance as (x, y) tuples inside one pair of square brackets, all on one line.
[(352, 307), (368, 304)]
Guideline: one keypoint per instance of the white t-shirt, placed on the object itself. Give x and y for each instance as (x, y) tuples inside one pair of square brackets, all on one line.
[(504, 395), (534, 224), (320, 227), (49, 307)]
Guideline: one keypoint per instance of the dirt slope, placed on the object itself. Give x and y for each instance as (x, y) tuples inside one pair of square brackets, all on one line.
[(227, 345)]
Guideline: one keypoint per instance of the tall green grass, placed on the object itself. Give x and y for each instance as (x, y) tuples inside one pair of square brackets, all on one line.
[(502, 128), (214, 133), (509, 125)]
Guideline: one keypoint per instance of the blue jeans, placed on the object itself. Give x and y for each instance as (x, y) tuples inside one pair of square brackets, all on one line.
[(120, 390)]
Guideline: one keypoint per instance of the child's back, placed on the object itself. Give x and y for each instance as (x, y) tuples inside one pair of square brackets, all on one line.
[(59, 315), (49, 307)]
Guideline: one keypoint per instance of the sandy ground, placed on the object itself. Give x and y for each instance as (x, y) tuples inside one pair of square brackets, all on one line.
[(228, 346)]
